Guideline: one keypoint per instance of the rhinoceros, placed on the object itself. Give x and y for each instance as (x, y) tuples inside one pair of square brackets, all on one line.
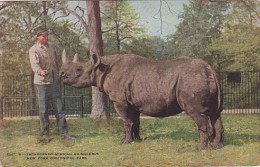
[(136, 84)]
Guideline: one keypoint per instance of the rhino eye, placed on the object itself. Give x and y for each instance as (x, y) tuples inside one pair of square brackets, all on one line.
[(78, 72), (63, 74)]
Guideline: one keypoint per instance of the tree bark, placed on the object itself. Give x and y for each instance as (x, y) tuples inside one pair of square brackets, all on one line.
[(100, 108), (1, 109), (45, 13), (118, 38)]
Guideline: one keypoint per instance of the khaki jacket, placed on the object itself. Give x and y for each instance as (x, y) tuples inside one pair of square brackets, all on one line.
[(43, 57)]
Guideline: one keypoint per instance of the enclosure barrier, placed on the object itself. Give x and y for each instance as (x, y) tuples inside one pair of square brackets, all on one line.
[(241, 92), (1, 109)]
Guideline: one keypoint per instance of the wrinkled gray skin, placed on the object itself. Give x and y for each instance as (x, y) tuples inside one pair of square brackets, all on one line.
[(155, 88)]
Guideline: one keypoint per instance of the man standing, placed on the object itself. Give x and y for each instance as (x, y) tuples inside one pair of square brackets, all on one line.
[(44, 64)]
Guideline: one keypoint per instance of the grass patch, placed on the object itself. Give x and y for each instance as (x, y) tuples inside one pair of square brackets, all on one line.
[(167, 142)]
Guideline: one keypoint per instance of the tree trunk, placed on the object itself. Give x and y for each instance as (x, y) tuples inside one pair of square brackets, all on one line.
[(45, 13), (117, 31), (100, 108), (117, 38), (1, 84), (1, 109)]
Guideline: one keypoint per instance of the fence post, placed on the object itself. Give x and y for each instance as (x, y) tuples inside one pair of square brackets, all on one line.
[(33, 94), (1, 109), (82, 106)]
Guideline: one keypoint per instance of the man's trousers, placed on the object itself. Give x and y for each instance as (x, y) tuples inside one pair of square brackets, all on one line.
[(46, 95)]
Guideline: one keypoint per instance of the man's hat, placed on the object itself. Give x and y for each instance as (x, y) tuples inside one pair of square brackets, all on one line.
[(41, 30)]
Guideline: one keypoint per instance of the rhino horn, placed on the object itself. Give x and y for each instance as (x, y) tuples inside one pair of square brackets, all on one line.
[(76, 58), (64, 57)]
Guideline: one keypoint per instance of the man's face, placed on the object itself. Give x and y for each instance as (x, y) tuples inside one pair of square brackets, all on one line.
[(43, 38)]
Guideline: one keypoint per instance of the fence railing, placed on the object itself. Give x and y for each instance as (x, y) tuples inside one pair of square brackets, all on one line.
[(241, 91)]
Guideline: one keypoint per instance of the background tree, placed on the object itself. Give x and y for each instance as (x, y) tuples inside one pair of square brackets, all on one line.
[(148, 46), (119, 25), (99, 100), (15, 20), (201, 21), (238, 46)]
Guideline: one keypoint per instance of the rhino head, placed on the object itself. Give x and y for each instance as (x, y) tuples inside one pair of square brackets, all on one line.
[(78, 74)]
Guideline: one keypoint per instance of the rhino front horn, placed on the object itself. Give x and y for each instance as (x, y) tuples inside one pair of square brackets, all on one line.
[(64, 57), (76, 58)]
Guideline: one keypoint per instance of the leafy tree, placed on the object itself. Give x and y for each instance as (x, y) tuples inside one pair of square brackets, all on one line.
[(148, 46), (201, 21), (119, 25), (15, 37), (238, 47), (64, 35)]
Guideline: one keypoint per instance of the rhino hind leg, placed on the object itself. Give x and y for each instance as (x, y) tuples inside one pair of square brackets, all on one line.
[(217, 137), (204, 127)]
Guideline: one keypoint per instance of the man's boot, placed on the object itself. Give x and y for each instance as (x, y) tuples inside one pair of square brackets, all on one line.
[(67, 136), (45, 138)]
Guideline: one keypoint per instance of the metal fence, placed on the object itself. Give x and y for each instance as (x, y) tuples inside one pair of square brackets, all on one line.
[(241, 92)]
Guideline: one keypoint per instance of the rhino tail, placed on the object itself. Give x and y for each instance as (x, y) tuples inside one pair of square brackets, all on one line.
[(220, 95)]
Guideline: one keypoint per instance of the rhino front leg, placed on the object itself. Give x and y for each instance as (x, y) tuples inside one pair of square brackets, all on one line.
[(132, 125), (131, 120)]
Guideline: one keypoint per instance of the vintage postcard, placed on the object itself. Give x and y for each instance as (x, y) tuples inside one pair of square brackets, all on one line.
[(129, 83)]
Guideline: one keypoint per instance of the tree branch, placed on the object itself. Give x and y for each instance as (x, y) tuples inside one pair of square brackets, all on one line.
[(249, 7), (60, 17), (127, 37), (175, 13), (76, 15), (64, 40), (37, 18), (108, 30), (161, 15), (3, 6)]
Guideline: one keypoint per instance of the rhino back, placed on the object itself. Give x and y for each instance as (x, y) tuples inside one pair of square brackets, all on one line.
[(145, 84)]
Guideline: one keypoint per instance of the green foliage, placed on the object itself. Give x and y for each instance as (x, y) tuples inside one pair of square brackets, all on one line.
[(64, 35), (200, 22), (239, 43), (15, 22), (119, 25), (148, 46)]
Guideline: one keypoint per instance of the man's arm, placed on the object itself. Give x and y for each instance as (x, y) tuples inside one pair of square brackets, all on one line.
[(35, 62)]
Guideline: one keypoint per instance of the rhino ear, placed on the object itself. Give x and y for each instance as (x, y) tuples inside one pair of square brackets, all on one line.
[(64, 57), (95, 60), (76, 58)]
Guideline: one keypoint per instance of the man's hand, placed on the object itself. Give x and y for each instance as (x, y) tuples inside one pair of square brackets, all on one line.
[(44, 73)]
